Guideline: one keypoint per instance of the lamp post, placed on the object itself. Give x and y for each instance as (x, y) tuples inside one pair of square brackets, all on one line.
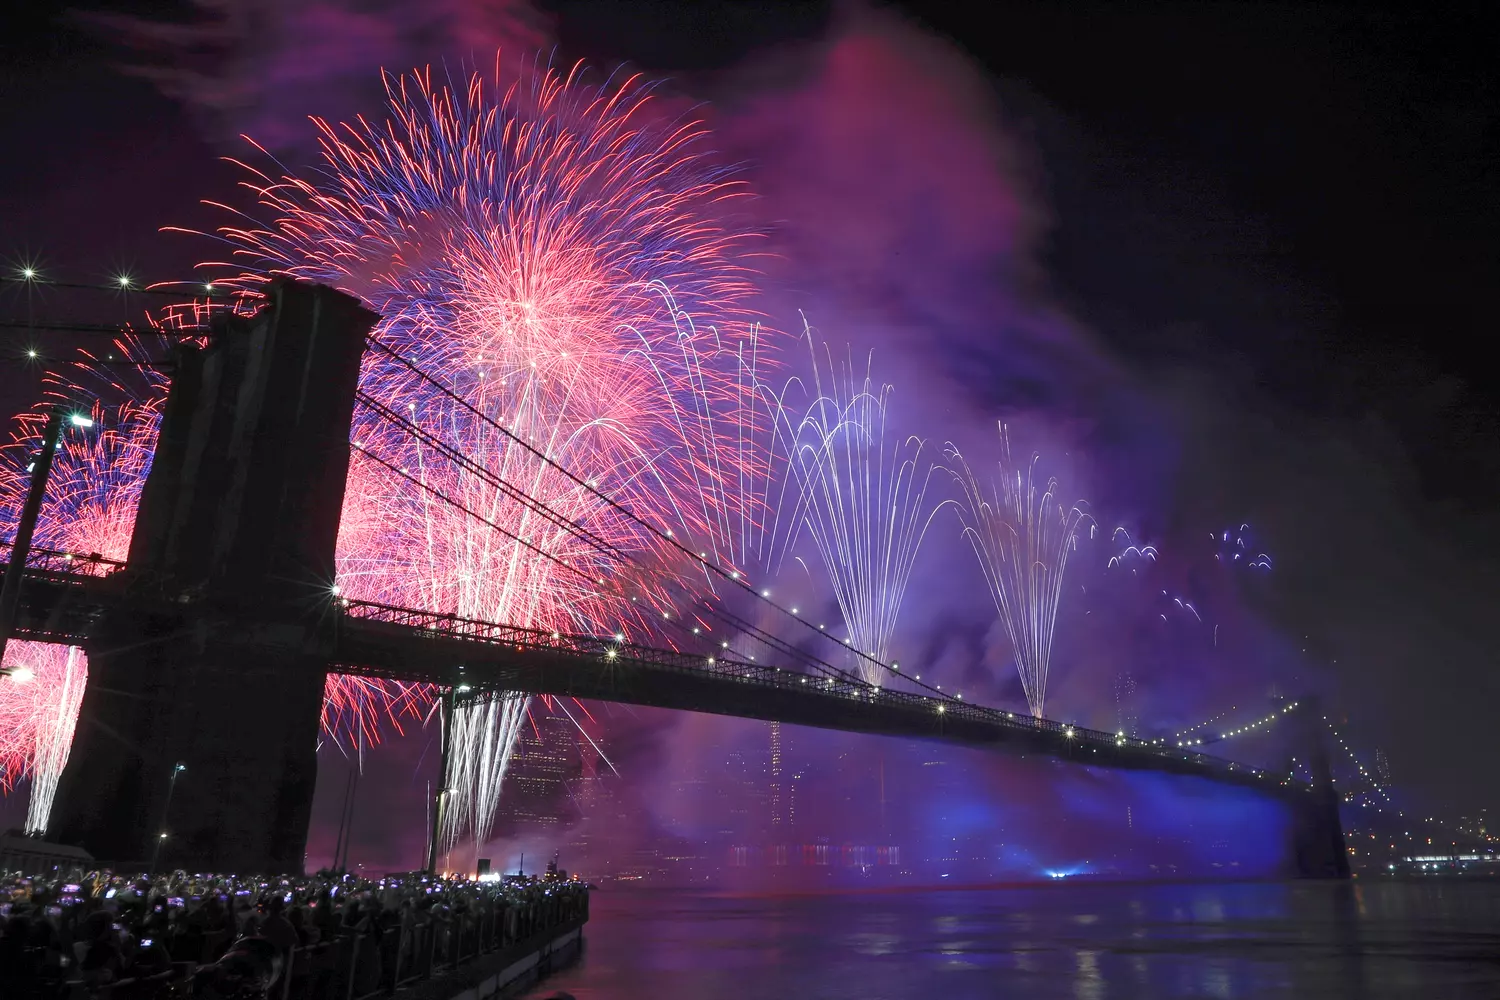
[(15, 567), (177, 769)]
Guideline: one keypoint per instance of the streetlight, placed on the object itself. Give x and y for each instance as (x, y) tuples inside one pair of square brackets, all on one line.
[(15, 568), (177, 769)]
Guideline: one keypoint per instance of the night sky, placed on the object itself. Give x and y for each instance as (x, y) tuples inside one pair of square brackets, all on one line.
[(1243, 258)]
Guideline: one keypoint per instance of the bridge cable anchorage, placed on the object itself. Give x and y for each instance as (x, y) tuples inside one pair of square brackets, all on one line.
[(730, 577)]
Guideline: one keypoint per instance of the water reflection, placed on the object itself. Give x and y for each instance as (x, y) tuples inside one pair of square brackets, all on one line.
[(1083, 942)]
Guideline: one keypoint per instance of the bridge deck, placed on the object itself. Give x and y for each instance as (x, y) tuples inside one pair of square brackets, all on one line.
[(414, 645), (372, 639)]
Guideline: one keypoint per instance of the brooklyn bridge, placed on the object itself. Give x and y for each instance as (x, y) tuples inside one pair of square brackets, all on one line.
[(213, 638)]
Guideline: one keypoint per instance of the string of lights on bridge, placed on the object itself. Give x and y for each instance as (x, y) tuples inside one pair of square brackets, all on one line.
[(1370, 779), (1259, 724), (1202, 725), (830, 675)]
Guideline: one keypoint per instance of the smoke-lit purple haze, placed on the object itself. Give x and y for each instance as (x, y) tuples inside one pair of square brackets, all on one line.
[(908, 218)]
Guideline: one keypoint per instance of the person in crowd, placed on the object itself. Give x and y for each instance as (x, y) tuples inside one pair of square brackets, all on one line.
[(74, 933)]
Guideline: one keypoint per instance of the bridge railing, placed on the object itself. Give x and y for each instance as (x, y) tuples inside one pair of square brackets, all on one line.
[(60, 563), (841, 686)]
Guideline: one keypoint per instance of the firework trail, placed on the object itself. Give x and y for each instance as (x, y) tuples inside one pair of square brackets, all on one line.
[(1023, 539), (89, 509), (484, 738), (537, 253), (1131, 553), (862, 501), (1234, 549)]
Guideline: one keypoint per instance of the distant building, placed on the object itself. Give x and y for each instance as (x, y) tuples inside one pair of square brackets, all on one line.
[(1383, 767), (1127, 715), (777, 818), (546, 757)]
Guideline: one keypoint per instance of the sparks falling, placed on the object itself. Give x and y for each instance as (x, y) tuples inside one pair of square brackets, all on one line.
[(1022, 538), (863, 502)]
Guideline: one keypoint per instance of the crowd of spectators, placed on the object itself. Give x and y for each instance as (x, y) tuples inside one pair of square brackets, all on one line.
[(144, 937)]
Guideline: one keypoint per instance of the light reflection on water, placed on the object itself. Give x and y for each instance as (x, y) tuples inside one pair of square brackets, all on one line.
[(1083, 942)]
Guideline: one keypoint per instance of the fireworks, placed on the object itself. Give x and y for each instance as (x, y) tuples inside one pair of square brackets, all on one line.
[(89, 509), (537, 254), (1023, 539), (1233, 549), (1131, 555), (863, 501)]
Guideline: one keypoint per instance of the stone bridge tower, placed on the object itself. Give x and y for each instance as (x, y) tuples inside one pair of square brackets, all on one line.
[(215, 658)]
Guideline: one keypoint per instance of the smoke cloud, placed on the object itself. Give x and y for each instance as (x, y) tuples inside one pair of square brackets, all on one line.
[(907, 218), (262, 68)]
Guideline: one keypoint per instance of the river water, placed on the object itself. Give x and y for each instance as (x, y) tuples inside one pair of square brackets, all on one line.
[(1438, 940)]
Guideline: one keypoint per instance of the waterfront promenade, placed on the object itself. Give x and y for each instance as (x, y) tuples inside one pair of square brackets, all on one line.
[(306, 938)]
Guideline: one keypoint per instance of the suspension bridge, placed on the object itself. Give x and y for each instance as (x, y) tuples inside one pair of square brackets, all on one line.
[(213, 638)]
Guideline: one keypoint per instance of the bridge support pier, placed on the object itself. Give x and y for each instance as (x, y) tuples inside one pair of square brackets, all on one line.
[(1318, 848), (216, 656)]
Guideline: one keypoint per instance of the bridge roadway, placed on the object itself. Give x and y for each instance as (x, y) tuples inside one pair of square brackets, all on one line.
[(64, 595)]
